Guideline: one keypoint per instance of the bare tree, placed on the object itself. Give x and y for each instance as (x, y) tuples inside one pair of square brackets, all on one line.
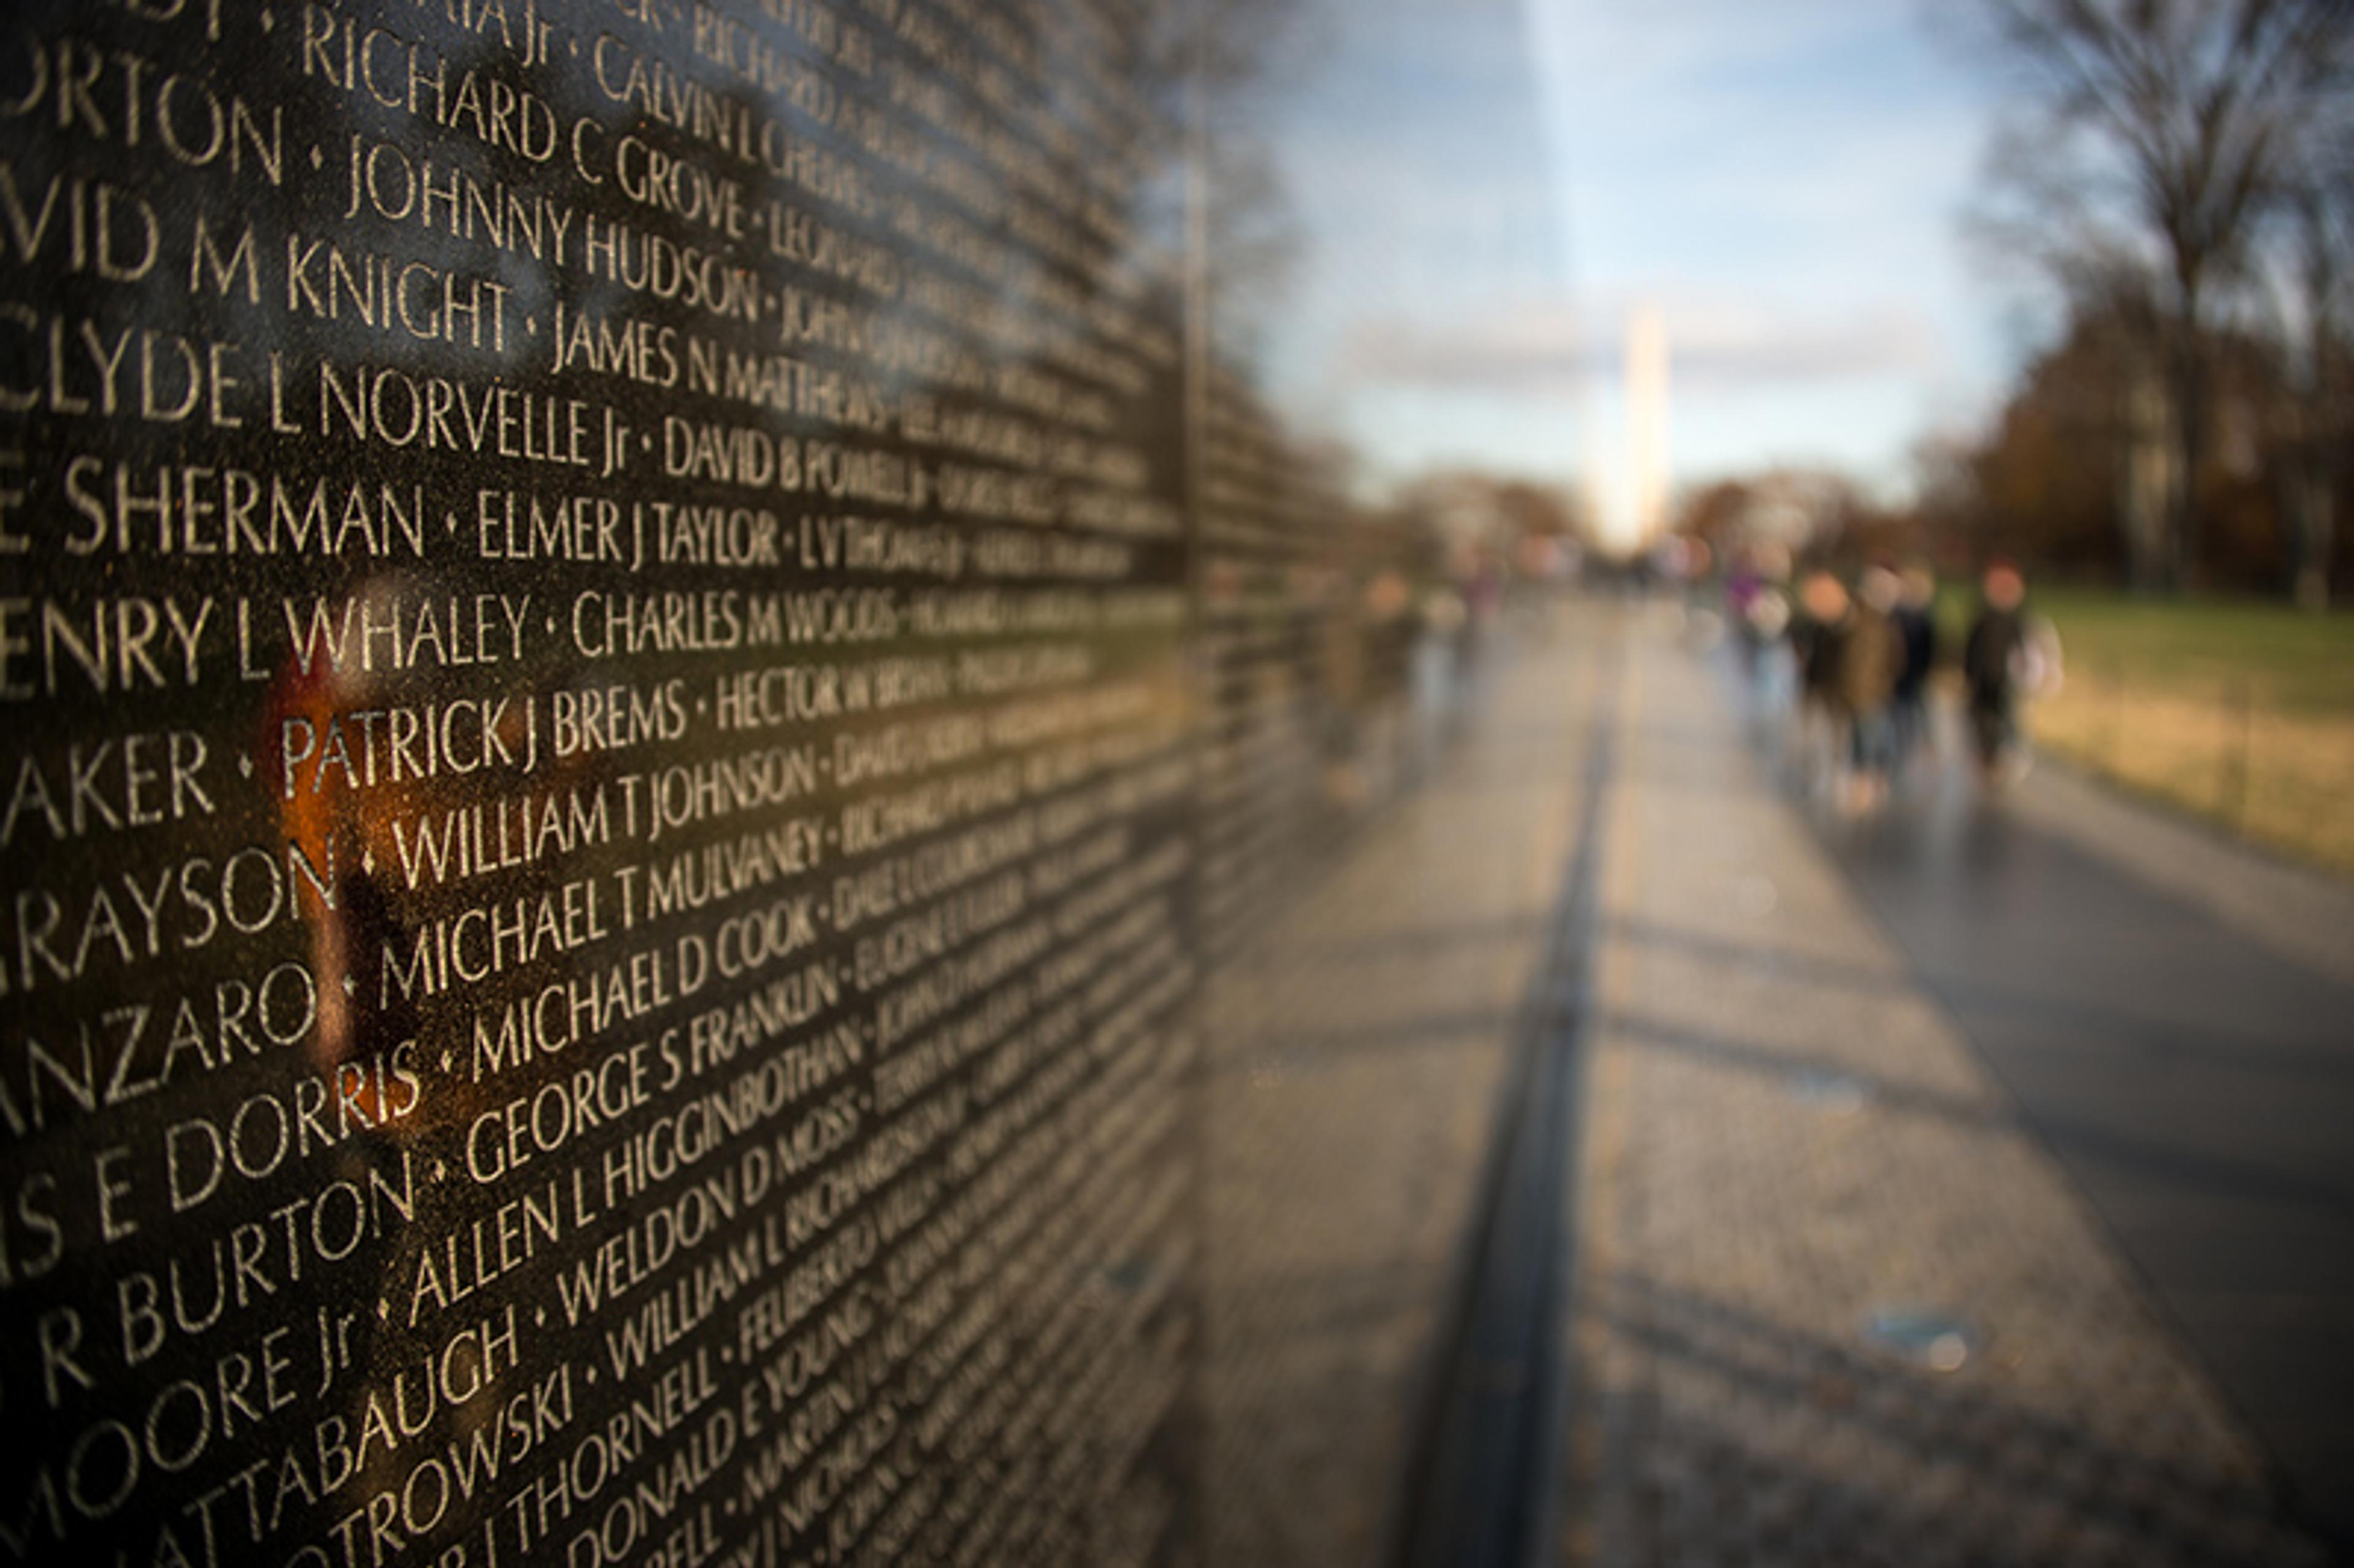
[(2159, 134), (2311, 499), (2319, 218)]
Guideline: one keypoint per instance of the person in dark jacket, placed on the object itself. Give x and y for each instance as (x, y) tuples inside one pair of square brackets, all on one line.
[(1991, 660), (1916, 627), (1818, 638)]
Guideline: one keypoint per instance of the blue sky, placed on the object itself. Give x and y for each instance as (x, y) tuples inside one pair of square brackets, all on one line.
[(1488, 188)]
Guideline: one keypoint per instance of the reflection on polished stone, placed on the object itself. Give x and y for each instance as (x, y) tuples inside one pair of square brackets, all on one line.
[(646, 655)]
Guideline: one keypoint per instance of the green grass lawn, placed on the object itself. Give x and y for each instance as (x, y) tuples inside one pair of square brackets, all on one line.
[(2294, 661), (2240, 711)]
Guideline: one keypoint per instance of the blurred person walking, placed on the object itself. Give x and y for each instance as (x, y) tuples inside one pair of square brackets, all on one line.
[(1771, 677), (1818, 638), (2010, 654), (1916, 630), (1743, 585), (1871, 659), (1760, 615)]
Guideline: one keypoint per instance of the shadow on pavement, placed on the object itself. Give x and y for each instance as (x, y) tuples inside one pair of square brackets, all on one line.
[(2196, 1084), (1795, 1447)]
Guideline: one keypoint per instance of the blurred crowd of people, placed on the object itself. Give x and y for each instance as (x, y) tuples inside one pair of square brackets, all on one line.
[(1844, 669)]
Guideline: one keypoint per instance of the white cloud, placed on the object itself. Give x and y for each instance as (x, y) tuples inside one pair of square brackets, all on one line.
[(1715, 342)]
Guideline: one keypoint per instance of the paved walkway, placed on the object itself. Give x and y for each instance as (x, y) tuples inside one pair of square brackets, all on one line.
[(1356, 1046), (1803, 1198), (2174, 1015)]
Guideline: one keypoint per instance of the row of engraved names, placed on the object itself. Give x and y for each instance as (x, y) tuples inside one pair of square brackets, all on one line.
[(87, 91), (70, 221), (144, 1043), (942, 1285), (80, 504), (1039, 468), (103, 786), (689, 1103), (56, 646)]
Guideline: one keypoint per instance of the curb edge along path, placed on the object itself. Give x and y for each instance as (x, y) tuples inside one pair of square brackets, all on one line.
[(1787, 1136)]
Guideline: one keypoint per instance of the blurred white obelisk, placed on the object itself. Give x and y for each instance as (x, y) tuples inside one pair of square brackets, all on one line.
[(1647, 422)]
